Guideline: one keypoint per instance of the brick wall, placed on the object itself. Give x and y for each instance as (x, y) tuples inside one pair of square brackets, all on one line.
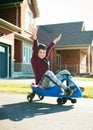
[(70, 56), (8, 14), (18, 51)]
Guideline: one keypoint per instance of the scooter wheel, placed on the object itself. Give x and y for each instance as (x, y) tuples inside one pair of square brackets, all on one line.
[(64, 100), (59, 101), (30, 97), (41, 97), (73, 100)]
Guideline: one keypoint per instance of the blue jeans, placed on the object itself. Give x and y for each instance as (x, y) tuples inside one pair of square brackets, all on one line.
[(50, 79)]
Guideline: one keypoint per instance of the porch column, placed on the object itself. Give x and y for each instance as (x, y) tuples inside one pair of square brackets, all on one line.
[(89, 59), (92, 60)]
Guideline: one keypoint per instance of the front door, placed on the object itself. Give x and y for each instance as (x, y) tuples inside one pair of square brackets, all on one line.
[(3, 61)]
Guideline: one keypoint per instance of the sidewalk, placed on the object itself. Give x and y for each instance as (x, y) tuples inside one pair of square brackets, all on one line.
[(84, 83), (29, 81)]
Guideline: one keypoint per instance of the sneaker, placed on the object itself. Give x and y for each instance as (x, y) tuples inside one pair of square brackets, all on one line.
[(82, 89), (73, 88), (68, 92)]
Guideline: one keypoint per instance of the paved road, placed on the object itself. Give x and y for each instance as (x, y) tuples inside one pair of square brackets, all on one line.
[(18, 114)]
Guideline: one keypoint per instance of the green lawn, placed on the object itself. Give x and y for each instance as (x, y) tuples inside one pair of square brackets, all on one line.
[(6, 87), (88, 93), (83, 79), (23, 88)]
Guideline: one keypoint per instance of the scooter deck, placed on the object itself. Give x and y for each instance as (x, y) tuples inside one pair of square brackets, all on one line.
[(56, 91)]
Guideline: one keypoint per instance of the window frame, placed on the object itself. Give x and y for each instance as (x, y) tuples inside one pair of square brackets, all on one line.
[(27, 53), (29, 18)]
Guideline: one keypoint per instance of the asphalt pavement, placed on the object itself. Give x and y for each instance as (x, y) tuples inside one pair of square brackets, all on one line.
[(16, 113)]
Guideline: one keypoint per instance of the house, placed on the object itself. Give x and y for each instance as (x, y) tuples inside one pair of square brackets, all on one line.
[(75, 49), (15, 37), (73, 52)]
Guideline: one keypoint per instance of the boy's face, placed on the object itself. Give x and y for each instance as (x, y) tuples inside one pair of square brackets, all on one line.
[(41, 53)]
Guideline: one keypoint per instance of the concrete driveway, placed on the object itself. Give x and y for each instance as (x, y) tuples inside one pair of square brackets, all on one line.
[(18, 114)]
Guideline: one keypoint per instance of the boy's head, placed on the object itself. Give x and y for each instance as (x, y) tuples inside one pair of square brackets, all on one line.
[(41, 51)]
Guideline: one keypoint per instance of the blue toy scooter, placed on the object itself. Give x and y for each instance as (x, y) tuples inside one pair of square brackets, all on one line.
[(56, 91)]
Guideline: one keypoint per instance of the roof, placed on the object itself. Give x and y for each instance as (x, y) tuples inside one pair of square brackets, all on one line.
[(4, 2), (77, 38), (63, 27), (72, 34)]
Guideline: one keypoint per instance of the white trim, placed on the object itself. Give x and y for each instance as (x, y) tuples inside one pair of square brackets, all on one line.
[(71, 47), (9, 26), (92, 60), (23, 38), (3, 40), (89, 59), (92, 43)]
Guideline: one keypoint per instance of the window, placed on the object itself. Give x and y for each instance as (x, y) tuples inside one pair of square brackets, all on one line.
[(27, 53), (2, 49), (29, 17)]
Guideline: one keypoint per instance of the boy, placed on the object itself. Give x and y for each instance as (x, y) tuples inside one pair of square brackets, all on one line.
[(39, 61)]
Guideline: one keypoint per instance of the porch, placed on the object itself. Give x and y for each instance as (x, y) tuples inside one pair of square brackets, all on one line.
[(77, 60)]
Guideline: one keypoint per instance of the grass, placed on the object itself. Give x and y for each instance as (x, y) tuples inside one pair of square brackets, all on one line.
[(24, 88), (11, 87), (88, 93), (83, 79)]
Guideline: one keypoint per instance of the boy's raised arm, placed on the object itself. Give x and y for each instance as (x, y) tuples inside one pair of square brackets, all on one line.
[(50, 46), (57, 39), (34, 30)]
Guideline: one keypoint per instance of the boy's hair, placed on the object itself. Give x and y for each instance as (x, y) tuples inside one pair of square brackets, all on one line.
[(41, 46)]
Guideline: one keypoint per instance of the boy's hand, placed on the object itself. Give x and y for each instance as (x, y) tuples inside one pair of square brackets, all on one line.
[(34, 30), (57, 39)]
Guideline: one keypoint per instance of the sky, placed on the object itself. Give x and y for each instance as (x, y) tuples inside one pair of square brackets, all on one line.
[(63, 11)]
